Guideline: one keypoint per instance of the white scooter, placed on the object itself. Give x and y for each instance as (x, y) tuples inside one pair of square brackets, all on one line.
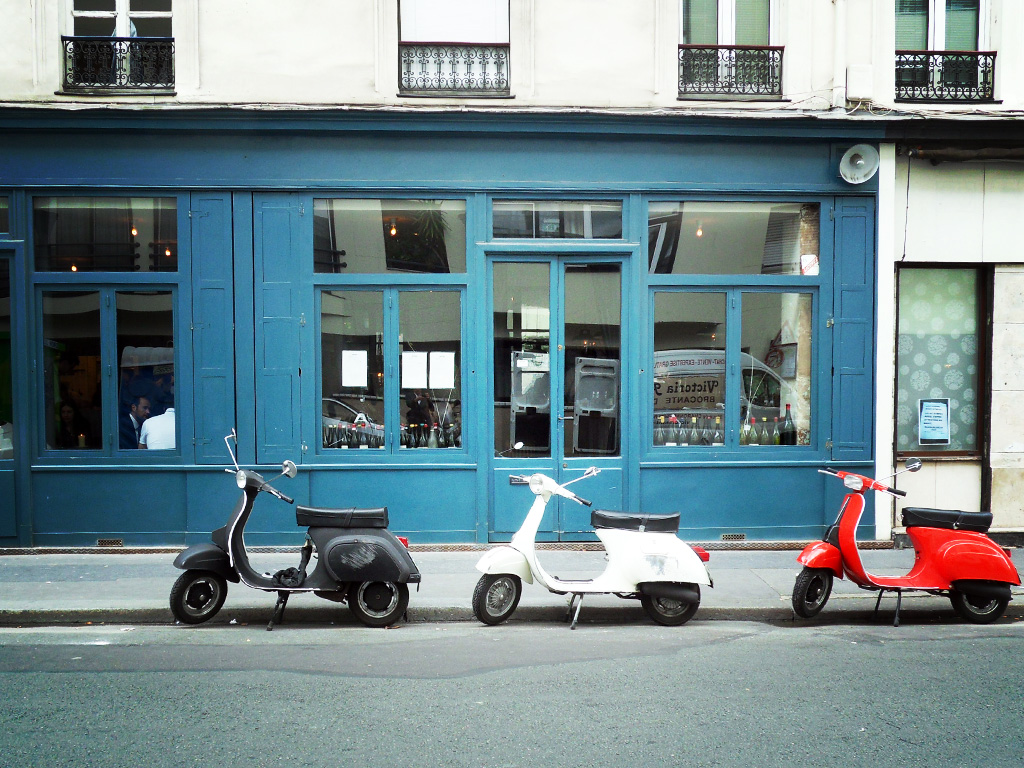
[(646, 561)]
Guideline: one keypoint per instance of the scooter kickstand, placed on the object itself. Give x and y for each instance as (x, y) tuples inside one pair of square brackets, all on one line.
[(899, 599), (576, 616), (282, 601), (878, 602)]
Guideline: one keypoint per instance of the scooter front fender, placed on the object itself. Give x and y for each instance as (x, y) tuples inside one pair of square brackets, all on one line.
[(506, 560), (206, 557), (821, 554)]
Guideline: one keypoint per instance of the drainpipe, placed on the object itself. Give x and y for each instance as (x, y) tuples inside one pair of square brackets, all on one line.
[(839, 56)]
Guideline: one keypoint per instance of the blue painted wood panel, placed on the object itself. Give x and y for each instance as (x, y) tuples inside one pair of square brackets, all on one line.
[(853, 334), (8, 512), (212, 324)]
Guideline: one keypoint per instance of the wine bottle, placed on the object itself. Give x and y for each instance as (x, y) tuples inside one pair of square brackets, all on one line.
[(766, 435), (659, 431), (673, 432), (745, 433), (775, 432), (787, 433), (694, 437), (717, 438), (755, 439), (432, 441)]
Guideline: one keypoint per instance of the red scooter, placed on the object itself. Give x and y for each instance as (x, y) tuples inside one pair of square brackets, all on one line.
[(953, 557)]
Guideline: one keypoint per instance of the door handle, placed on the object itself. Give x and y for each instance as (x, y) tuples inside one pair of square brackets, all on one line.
[(566, 418)]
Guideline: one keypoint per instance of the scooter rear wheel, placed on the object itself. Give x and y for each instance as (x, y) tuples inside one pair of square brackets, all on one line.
[(378, 603), (811, 591), (668, 612), (197, 596), (496, 597), (977, 610)]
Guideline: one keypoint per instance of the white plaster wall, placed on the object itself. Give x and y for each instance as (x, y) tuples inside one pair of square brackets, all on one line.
[(564, 53), (966, 213)]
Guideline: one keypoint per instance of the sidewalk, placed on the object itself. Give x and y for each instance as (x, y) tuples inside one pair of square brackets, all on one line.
[(753, 585)]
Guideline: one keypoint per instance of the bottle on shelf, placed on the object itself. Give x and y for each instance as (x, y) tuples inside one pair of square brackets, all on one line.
[(787, 432), (766, 434), (717, 438), (677, 434), (659, 431), (694, 437), (775, 432), (745, 432), (755, 438), (432, 441)]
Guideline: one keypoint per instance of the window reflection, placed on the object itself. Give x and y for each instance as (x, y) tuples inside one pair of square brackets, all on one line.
[(733, 238), (558, 219), (689, 368), (145, 345), (776, 369), (373, 236), (105, 234), (431, 387), (71, 370), (5, 215), (352, 369)]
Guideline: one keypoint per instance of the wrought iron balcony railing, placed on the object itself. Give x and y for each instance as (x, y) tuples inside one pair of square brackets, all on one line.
[(118, 63), (730, 70), (453, 69), (956, 76)]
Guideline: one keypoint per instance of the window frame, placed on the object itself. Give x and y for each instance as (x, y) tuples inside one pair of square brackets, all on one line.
[(727, 22), (108, 284), (819, 287), (936, 10)]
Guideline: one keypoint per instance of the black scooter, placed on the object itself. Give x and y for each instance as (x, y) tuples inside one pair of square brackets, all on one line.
[(359, 560)]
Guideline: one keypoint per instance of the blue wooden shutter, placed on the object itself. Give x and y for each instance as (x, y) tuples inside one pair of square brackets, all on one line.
[(212, 324), (282, 260), (853, 350)]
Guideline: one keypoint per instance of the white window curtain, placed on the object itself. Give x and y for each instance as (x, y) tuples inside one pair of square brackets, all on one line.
[(454, 21)]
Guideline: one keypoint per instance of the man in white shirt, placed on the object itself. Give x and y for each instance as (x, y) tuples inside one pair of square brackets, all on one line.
[(158, 431)]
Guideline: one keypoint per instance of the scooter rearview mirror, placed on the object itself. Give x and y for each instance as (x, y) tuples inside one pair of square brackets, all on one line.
[(914, 464), (288, 468), (231, 451)]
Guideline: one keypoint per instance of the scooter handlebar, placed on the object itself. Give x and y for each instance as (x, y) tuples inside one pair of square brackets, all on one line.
[(584, 502), (274, 492)]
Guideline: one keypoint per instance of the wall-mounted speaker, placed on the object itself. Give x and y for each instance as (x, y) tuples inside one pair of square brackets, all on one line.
[(859, 163)]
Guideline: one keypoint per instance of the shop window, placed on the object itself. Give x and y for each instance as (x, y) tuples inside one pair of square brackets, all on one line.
[(593, 220), (715, 238), (354, 351), (454, 47), (145, 351), (72, 371), (77, 364), (776, 369), (938, 361), (352, 369), (431, 379), (376, 236), (6, 370), (689, 368), (119, 44), (105, 234), (5, 214)]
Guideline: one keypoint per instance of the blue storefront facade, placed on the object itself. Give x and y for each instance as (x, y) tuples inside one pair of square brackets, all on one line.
[(396, 300)]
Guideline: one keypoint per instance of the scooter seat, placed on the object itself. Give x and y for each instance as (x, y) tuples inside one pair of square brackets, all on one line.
[(342, 518), (630, 521), (952, 519)]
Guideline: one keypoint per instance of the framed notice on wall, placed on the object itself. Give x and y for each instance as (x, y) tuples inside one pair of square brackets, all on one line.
[(933, 421)]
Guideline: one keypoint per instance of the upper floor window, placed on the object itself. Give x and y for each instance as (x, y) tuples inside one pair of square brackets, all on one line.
[(725, 49), (454, 47), (938, 51), (119, 44)]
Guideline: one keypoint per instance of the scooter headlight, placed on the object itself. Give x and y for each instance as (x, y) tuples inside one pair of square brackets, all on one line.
[(536, 483), (240, 478)]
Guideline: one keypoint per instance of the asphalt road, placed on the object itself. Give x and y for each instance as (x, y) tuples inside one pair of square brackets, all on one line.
[(716, 693)]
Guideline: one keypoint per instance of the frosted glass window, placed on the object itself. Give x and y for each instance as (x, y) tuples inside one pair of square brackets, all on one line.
[(938, 357)]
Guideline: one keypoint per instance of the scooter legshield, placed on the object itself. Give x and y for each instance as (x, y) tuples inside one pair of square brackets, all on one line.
[(821, 554), (506, 560)]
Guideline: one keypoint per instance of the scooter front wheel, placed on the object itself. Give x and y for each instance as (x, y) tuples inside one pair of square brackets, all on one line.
[(378, 603), (977, 610), (197, 596), (669, 612), (496, 597), (811, 591)]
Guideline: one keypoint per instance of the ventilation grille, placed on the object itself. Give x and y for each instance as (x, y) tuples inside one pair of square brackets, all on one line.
[(734, 537), (109, 542)]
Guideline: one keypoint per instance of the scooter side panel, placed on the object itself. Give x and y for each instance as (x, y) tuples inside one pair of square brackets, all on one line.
[(206, 557), (821, 554), (971, 556), (636, 557), (506, 560)]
